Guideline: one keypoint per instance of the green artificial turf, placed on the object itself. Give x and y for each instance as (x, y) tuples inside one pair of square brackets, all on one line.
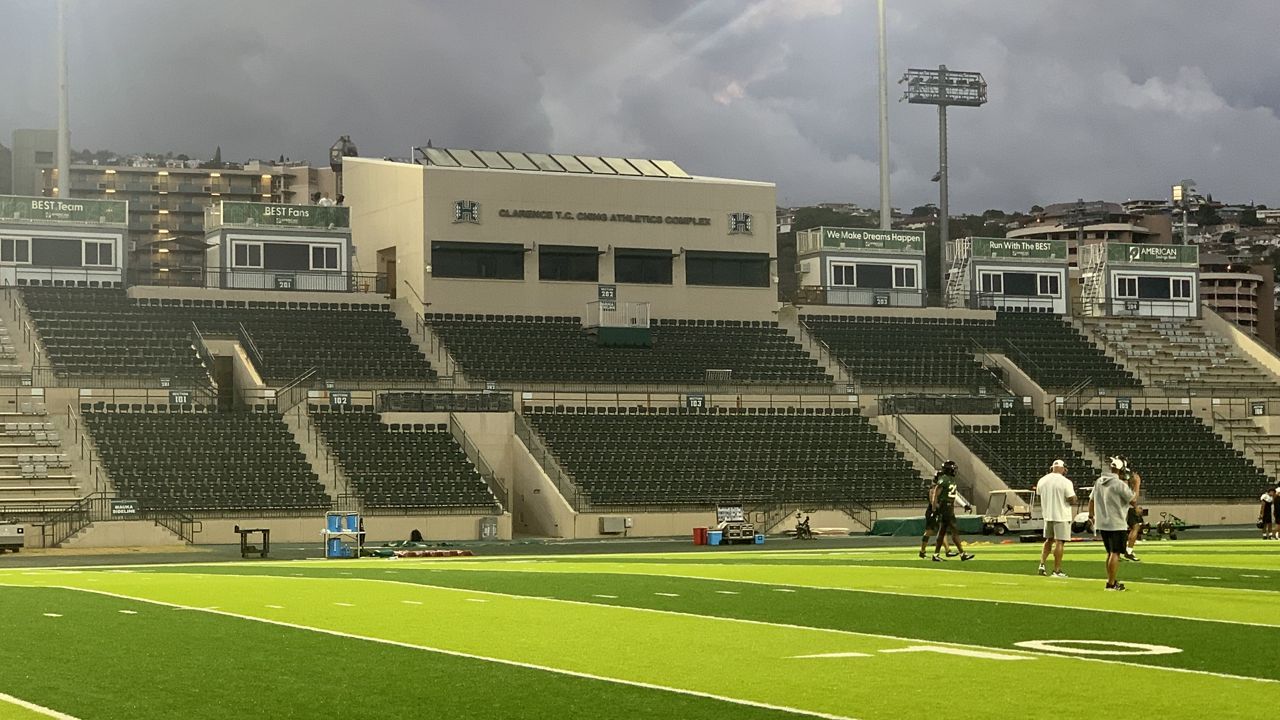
[(96, 662)]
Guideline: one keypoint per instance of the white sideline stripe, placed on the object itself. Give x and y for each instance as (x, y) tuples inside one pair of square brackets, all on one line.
[(342, 604), (128, 612), (783, 590), (606, 597), (1205, 577), (668, 594), (50, 712), (713, 618), (276, 607), (451, 653), (727, 592), (52, 615), (410, 602), (476, 600), (950, 585), (821, 656)]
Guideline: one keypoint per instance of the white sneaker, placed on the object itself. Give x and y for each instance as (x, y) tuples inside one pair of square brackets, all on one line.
[(1042, 570), (1059, 574)]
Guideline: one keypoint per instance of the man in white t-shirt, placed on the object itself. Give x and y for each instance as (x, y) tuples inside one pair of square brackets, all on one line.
[(1056, 497)]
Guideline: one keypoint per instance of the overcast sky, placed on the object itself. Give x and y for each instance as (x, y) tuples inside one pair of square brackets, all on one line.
[(1100, 99)]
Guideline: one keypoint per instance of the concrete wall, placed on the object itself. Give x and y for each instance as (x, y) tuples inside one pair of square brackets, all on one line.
[(386, 201), (378, 528), (158, 291), (538, 508)]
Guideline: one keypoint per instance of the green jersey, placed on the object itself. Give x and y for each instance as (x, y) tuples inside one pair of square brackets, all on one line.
[(946, 494)]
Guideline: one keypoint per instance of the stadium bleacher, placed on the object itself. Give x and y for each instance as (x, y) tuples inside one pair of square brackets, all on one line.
[(1021, 448), (1183, 354), (523, 348), (1178, 456), (96, 332), (206, 462), (404, 466), (920, 351), (660, 456)]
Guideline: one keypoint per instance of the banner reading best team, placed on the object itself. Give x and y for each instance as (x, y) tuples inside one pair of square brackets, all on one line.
[(63, 210), (280, 215)]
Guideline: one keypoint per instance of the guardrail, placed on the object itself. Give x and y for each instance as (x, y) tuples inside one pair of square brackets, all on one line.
[(547, 460), (964, 432), (908, 432), (496, 485)]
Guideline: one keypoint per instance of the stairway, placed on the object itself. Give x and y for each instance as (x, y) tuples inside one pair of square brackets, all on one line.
[(789, 320), (318, 454), (1244, 434), (122, 533), (957, 293)]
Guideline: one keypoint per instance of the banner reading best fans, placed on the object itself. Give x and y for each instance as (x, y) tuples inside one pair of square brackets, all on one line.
[(280, 215), (63, 210)]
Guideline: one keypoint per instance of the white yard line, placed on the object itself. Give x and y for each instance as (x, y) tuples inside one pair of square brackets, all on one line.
[(745, 621), (50, 712), (459, 654)]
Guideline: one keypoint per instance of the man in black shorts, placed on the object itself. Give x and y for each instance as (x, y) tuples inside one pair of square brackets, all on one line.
[(943, 500), (1108, 509), (1267, 514), (1134, 515), (931, 521)]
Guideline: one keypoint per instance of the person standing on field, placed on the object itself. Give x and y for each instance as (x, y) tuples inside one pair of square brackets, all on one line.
[(1108, 507), (1057, 496), (1267, 513)]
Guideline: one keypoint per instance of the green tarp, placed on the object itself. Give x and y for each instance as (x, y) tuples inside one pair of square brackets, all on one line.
[(914, 526)]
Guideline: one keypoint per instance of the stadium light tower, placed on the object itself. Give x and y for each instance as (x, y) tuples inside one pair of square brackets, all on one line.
[(1182, 196), (886, 211), (64, 124), (944, 88)]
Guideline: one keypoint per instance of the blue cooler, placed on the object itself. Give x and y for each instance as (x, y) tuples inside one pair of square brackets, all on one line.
[(759, 538), (335, 549), (335, 523), (714, 537), (353, 522)]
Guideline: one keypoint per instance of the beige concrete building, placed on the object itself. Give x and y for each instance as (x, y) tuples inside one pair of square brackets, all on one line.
[(34, 156), (1242, 293), (537, 234)]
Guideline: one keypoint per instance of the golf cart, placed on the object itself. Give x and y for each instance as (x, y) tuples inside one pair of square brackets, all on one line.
[(1013, 511)]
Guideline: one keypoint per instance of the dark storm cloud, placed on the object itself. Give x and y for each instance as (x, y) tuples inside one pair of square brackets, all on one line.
[(1088, 98)]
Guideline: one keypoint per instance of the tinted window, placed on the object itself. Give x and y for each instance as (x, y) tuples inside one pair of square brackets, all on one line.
[(495, 261)]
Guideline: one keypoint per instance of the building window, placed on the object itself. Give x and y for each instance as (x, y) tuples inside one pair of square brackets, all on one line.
[(846, 275), (644, 267), (1127, 287), (1180, 288), (726, 269), (44, 157), (485, 261), (572, 263), (992, 283), (246, 255), (324, 257), (99, 253), (1049, 285), (15, 250), (904, 276)]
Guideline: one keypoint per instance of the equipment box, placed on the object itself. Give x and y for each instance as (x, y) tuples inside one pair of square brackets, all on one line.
[(11, 537)]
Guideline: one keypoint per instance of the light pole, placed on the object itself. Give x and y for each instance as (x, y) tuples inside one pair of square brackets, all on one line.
[(943, 87), (64, 104), (886, 211), (1182, 194)]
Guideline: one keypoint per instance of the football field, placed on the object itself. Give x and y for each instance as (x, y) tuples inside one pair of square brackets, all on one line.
[(750, 633)]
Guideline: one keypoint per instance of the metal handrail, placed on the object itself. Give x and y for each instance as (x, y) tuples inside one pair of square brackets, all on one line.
[(913, 437), (250, 348), (996, 462), (549, 463), (487, 473), (294, 391)]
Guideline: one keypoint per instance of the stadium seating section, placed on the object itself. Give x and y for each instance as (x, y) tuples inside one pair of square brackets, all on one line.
[(659, 456), (89, 332), (557, 349), (410, 467), (1178, 456), (1182, 354), (1021, 448), (918, 351), (206, 462), (444, 402)]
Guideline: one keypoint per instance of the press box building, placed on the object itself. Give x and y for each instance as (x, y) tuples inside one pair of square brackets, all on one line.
[(862, 266), (62, 242), (482, 232)]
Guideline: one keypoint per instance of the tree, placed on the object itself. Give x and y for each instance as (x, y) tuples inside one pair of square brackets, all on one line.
[(812, 217), (928, 209)]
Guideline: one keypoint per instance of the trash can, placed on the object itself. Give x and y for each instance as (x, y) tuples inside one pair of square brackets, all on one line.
[(714, 537), (699, 536), (759, 538), (353, 522), (335, 522)]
